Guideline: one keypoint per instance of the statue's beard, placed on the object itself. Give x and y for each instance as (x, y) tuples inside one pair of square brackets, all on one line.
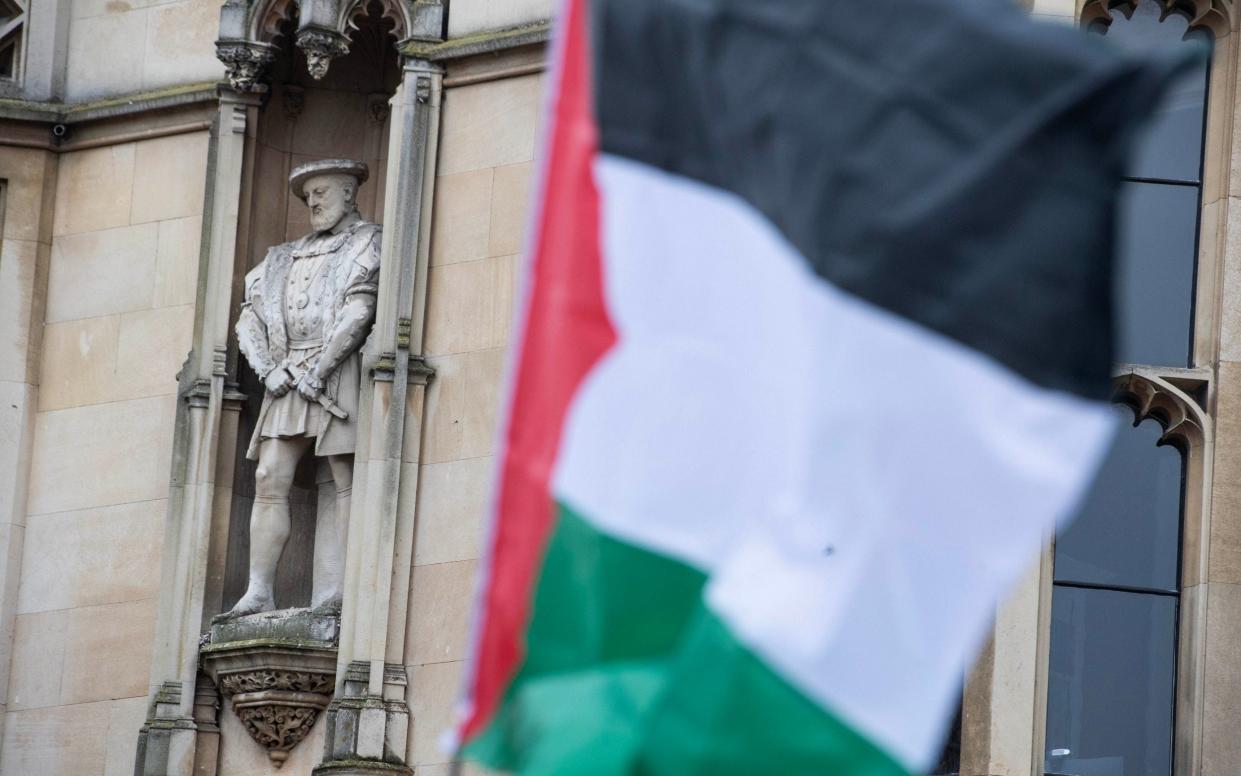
[(326, 218)]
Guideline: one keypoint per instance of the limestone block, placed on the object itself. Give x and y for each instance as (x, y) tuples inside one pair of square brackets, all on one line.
[(1225, 527), (452, 503), (1230, 311), (176, 261), (125, 716), (180, 38), (509, 205), (411, 451), (105, 55), (107, 652), (84, 9), (17, 415), (90, 557), (1221, 746), (461, 406), (470, 305), (439, 612), (38, 656), (79, 363), (58, 741), (102, 273), (94, 187), (461, 219), (489, 124), (30, 174), (18, 325), (433, 694), (471, 16), (123, 458), (12, 537), (1055, 8), (169, 175), (151, 349)]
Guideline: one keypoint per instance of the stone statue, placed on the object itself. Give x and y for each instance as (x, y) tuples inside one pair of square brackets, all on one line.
[(309, 306)]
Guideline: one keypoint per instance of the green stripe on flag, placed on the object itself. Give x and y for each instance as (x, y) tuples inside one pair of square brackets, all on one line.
[(627, 673)]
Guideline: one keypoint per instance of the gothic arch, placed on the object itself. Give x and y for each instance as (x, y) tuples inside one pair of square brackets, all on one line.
[(1215, 15), (1183, 421), (251, 31)]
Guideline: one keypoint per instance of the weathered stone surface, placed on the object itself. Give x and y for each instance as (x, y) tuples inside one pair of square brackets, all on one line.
[(278, 671), (285, 625)]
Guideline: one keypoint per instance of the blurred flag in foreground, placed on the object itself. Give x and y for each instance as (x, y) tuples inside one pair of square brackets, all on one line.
[(814, 352)]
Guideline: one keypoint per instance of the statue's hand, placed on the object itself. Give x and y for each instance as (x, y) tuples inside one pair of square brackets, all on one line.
[(309, 386), (278, 382)]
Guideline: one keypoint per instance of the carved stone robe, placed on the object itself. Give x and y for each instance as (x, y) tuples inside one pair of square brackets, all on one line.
[(272, 330)]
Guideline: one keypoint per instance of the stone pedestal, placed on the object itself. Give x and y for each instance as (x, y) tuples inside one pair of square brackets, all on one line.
[(278, 671)]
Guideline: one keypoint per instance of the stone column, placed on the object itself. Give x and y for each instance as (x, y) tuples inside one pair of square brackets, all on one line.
[(25, 249), (368, 720), (166, 745), (1004, 705)]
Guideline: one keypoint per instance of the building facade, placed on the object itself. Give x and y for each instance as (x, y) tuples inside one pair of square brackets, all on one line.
[(145, 150)]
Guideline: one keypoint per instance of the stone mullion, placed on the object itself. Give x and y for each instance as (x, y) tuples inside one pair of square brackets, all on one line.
[(368, 720), (168, 739)]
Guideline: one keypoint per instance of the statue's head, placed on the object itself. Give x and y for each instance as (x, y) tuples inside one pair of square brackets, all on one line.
[(329, 188)]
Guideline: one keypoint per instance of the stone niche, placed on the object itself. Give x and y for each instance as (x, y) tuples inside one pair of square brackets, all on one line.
[(277, 670), (342, 116)]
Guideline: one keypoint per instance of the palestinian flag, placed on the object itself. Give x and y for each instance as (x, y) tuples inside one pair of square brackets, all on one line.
[(814, 353)]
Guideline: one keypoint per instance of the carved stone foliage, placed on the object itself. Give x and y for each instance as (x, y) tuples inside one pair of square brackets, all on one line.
[(1215, 15), (244, 64), (278, 672), (275, 679)]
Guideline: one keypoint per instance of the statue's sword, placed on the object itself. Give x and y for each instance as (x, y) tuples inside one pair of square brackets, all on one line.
[(332, 407)]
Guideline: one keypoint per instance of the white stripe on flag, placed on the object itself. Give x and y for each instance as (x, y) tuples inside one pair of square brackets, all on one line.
[(860, 488)]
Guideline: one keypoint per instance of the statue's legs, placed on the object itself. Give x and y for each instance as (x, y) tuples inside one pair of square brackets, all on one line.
[(330, 594), (269, 520)]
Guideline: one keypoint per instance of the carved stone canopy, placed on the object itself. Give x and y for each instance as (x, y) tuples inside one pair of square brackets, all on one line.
[(1215, 15), (249, 30)]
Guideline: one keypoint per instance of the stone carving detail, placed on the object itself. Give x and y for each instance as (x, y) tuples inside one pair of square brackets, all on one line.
[(1216, 15), (245, 64), (263, 680), (278, 672), (1152, 396), (321, 29), (278, 717), (321, 47)]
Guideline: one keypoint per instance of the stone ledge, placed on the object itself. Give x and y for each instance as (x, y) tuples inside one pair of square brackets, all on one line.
[(361, 768), (488, 42), (111, 107)]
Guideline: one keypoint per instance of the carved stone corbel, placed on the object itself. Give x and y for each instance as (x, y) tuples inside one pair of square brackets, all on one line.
[(321, 47), (278, 672), (245, 62)]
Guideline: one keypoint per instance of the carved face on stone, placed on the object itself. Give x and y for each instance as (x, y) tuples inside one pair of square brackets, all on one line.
[(330, 198)]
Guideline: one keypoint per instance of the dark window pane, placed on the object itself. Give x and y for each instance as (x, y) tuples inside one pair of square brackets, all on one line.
[(1158, 235), (1129, 530), (1171, 145), (1110, 689)]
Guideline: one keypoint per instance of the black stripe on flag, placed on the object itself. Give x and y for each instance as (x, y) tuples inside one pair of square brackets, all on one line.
[(949, 160)]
